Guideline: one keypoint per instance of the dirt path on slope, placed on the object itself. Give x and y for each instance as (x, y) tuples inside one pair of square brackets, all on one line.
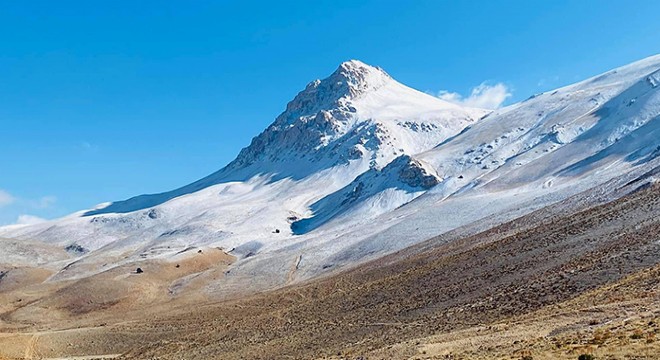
[(291, 275), (31, 348), (77, 318)]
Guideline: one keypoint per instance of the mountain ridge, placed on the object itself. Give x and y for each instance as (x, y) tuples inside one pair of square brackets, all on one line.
[(327, 114), (359, 166)]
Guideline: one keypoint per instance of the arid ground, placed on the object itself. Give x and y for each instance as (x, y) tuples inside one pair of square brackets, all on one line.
[(549, 285)]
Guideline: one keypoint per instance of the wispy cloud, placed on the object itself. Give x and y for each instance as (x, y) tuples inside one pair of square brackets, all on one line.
[(88, 147), (44, 202), (25, 219), (12, 205), (548, 81), (484, 96), (6, 198)]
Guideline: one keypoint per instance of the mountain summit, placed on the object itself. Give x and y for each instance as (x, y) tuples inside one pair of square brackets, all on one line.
[(353, 78), (356, 119), (359, 110)]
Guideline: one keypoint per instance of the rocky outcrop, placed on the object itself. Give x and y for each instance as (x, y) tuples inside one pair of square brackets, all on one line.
[(414, 173), (319, 114)]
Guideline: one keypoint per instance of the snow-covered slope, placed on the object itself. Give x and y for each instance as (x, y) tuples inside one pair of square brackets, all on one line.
[(360, 165), (356, 121)]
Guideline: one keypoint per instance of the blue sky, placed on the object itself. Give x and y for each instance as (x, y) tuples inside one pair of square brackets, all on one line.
[(103, 100)]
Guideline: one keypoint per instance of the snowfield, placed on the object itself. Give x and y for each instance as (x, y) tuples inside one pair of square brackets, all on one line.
[(359, 166)]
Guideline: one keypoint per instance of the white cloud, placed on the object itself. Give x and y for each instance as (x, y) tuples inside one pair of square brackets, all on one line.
[(45, 202), (6, 198), (29, 219), (484, 96)]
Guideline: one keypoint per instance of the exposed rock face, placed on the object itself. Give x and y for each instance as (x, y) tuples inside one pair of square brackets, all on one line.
[(654, 79), (415, 174), (405, 175), (317, 115)]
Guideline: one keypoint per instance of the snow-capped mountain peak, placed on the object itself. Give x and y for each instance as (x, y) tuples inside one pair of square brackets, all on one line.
[(359, 111), (357, 78), (352, 79)]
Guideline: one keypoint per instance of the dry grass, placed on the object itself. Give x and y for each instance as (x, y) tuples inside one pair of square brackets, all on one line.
[(551, 289), (609, 330)]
